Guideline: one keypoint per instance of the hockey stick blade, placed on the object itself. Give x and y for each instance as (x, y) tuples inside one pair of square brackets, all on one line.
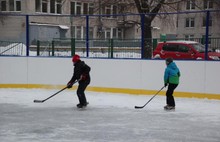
[(38, 101), (41, 101), (138, 107)]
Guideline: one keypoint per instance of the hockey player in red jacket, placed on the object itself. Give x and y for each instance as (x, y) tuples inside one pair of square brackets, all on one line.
[(81, 73)]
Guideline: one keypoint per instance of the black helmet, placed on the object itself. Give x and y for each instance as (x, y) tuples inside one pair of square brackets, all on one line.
[(169, 60)]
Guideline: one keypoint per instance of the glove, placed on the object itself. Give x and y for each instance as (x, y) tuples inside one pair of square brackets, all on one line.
[(165, 84), (69, 84), (83, 77)]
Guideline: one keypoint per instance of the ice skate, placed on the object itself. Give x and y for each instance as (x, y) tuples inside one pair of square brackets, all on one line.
[(82, 105), (168, 107)]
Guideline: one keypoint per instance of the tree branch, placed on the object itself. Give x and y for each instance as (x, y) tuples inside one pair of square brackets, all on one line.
[(138, 5), (156, 9)]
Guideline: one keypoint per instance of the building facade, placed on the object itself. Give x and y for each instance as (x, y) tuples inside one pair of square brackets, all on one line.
[(193, 24), (50, 19), (67, 18), (101, 19)]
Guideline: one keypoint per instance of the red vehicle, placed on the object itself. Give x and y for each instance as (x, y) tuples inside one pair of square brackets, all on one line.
[(183, 50)]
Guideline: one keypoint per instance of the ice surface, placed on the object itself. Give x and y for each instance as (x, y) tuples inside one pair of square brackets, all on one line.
[(108, 118)]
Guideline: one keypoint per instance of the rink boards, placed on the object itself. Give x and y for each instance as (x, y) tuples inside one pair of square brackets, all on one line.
[(131, 76)]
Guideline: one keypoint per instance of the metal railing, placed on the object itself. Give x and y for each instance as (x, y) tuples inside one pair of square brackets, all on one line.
[(12, 48), (112, 48)]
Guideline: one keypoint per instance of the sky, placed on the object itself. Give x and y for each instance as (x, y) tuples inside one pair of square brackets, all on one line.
[(109, 117)]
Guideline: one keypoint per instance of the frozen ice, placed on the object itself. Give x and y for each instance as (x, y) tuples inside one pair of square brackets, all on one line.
[(108, 118)]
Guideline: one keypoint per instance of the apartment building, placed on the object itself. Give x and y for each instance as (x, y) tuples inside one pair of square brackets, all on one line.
[(193, 24), (49, 19)]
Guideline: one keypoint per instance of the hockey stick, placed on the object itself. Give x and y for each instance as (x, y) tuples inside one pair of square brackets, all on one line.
[(139, 107), (41, 101)]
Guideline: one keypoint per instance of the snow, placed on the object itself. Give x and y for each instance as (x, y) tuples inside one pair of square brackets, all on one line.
[(18, 49), (108, 118)]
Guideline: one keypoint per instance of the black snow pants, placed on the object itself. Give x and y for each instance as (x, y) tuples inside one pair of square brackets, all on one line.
[(81, 92), (169, 94)]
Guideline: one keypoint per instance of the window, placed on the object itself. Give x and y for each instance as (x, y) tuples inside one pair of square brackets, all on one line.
[(59, 6), (85, 8), (91, 32), (79, 32), (41, 6), (77, 8), (17, 5), (114, 11), (190, 5), (72, 8), (113, 33), (117, 33), (108, 33), (170, 47), (3, 5), (91, 8), (110, 11), (183, 48), (189, 37), (175, 48), (88, 8), (208, 4), (204, 39), (120, 33), (10, 5), (190, 22), (204, 21), (44, 6), (55, 6), (52, 6), (37, 5)]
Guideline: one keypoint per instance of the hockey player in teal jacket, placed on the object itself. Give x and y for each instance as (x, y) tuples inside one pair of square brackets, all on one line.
[(171, 78)]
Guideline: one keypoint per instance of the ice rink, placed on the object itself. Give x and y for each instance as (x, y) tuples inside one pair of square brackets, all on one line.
[(108, 118)]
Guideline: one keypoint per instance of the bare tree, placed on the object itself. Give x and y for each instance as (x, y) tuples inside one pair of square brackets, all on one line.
[(149, 10)]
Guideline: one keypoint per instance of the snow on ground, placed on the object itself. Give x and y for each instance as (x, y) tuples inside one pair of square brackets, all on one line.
[(108, 118)]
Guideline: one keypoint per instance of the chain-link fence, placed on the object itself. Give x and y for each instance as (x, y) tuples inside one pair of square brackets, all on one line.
[(106, 36)]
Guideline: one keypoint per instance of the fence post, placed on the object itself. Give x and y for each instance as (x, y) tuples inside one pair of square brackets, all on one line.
[(52, 47), (112, 46), (142, 36), (154, 43), (109, 47), (207, 35), (38, 47), (87, 36), (27, 35), (73, 43)]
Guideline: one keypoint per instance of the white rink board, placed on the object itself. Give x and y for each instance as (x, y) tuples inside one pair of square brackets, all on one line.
[(196, 76)]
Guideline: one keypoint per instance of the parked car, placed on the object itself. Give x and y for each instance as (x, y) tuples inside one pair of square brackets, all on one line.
[(183, 50)]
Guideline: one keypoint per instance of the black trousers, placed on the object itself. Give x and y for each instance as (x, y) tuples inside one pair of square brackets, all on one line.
[(169, 94), (81, 92)]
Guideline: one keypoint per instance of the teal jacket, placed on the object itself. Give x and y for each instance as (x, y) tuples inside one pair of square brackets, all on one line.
[(171, 74)]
